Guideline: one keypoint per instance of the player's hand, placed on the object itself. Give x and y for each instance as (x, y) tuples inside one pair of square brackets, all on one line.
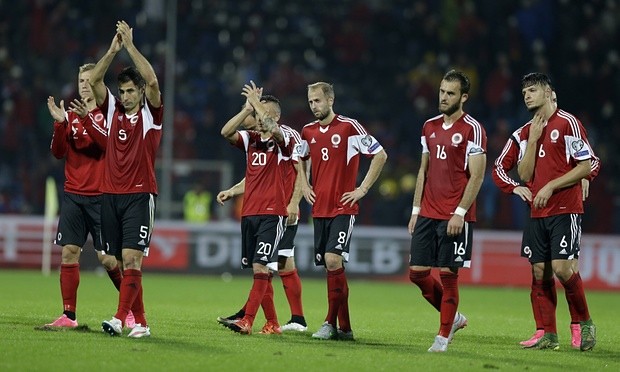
[(252, 93), (585, 188), (223, 196), (412, 221), (541, 199), (309, 194), (293, 214), (536, 128), (79, 107), (125, 32), (455, 225), (351, 197), (117, 43), (58, 113), (523, 192)]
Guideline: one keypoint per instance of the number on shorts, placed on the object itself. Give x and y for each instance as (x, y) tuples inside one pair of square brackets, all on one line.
[(264, 248), (459, 250)]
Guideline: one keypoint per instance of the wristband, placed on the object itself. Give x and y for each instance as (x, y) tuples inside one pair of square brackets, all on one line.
[(415, 210), (460, 211)]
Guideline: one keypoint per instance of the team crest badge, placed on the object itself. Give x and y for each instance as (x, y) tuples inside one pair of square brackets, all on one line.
[(456, 139), (555, 134), (336, 140)]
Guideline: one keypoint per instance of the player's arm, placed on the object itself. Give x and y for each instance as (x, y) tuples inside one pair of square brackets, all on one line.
[(306, 188), (527, 163), (98, 72), (152, 93), (582, 170), (59, 145), (376, 165), (229, 130), (506, 161), (419, 191), (476, 166), (225, 195), (292, 209)]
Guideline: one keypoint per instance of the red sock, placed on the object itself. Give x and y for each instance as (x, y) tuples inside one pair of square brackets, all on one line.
[(430, 287), (449, 301), (269, 308), (547, 302), (138, 309), (116, 276), (535, 306), (292, 289), (574, 315), (344, 322), (335, 288), (577, 297), (130, 288), (69, 282), (259, 287)]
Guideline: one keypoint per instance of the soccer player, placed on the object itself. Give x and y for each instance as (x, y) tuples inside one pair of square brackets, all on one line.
[(444, 203), (506, 161), (557, 156), (129, 186), (333, 144), (286, 247), (81, 206), (265, 199)]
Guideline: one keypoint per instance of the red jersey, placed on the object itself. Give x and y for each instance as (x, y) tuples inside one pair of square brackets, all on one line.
[(83, 156), (512, 153), (449, 149), (265, 190), (334, 151), (561, 145), (289, 168), (508, 159), (132, 147)]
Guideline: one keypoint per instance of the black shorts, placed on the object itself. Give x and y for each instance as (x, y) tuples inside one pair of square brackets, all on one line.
[(260, 236), (431, 245), (554, 238), (127, 222), (332, 235), (286, 248), (79, 216)]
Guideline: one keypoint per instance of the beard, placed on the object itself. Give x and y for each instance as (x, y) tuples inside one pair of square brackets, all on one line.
[(321, 114), (450, 109)]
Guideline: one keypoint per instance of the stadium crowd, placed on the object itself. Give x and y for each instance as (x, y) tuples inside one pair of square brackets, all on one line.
[(385, 59)]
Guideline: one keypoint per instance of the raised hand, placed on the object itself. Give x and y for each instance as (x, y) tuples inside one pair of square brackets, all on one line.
[(58, 113), (536, 128), (79, 106), (125, 33)]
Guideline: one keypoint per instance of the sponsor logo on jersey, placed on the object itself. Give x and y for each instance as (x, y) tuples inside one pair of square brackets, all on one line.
[(75, 121), (336, 140), (374, 147), (555, 134), (563, 251), (433, 135), (458, 259), (313, 140), (456, 139), (581, 153), (577, 145), (367, 140), (476, 150)]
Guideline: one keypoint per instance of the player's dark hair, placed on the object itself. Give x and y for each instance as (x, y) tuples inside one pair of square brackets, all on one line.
[(536, 78), (270, 98), (131, 74), (454, 75)]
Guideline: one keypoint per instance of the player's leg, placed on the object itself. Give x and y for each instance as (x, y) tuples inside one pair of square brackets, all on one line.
[(575, 327), (565, 238), (71, 235), (290, 280), (422, 258), (261, 235)]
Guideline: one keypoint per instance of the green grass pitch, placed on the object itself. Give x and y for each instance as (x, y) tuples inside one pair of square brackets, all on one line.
[(393, 325)]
